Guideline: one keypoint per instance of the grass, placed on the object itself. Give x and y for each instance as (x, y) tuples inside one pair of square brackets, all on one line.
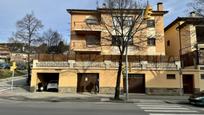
[(4, 73)]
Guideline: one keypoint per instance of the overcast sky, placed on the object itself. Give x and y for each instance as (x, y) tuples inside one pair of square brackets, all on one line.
[(53, 13)]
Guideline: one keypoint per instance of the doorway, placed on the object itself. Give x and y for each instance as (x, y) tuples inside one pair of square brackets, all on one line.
[(188, 84), (88, 82)]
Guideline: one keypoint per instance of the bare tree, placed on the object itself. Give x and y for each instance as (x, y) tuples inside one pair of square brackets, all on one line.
[(124, 22), (51, 38), (27, 33), (53, 41), (197, 6)]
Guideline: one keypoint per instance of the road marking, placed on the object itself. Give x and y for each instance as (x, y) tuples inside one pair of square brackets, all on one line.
[(162, 108), (152, 103), (171, 114), (159, 106), (4, 89), (173, 111)]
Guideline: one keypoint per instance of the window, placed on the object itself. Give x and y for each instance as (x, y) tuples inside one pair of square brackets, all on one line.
[(168, 43), (150, 23), (92, 40), (170, 76), (116, 40), (199, 34), (202, 76), (127, 21), (151, 41), (91, 20)]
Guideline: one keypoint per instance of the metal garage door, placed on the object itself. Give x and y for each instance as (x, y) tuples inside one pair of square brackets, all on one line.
[(136, 83)]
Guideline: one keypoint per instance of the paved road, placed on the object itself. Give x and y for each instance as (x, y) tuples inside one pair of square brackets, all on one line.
[(97, 108), (156, 107), (18, 82)]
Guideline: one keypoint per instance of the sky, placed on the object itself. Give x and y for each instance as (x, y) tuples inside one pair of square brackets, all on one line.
[(53, 13)]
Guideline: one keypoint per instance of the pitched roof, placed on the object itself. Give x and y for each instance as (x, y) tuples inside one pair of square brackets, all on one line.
[(71, 11), (188, 20)]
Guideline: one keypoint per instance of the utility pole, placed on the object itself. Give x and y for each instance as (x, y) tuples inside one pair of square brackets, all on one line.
[(126, 69)]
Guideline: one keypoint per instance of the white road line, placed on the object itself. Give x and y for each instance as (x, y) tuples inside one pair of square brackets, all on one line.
[(202, 109), (163, 108), (2, 90), (151, 103), (173, 111), (172, 114), (158, 105)]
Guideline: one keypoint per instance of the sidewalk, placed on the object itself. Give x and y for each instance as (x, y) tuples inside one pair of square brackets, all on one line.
[(86, 97)]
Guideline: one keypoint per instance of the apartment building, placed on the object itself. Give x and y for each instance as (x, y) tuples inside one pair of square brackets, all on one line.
[(92, 63), (184, 39)]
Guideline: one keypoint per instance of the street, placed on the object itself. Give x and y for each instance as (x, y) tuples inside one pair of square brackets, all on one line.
[(97, 108)]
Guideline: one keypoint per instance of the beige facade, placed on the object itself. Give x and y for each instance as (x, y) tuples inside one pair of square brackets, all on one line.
[(93, 60), (182, 40), (80, 31), (155, 78)]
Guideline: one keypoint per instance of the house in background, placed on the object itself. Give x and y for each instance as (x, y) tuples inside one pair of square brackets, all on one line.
[(185, 39), (92, 64), (4, 53)]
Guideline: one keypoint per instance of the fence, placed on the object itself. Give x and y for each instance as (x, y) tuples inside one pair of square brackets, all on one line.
[(102, 58)]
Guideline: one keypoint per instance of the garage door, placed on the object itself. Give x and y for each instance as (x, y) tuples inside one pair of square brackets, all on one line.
[(88, 82), (136, 83)]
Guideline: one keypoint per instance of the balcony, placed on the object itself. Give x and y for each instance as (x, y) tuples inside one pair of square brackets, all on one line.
[(83, 47), (104, 65), (87, 27)]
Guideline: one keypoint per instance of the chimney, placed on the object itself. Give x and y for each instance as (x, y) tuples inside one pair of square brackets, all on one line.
[(160, 6), (193, 14)]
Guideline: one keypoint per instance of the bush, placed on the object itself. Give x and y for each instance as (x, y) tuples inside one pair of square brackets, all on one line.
[(7, 73)]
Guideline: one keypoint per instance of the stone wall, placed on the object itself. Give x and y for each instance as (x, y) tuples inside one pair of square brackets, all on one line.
[(67, 89)]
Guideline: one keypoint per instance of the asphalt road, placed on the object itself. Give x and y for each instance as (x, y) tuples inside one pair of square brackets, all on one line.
[(96, 108), (69, 109)]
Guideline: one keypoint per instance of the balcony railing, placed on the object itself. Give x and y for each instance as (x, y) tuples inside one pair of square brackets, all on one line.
[(161, 66), (89, 65), (107, 65), (82, 46), (83, 26), (52, 64)]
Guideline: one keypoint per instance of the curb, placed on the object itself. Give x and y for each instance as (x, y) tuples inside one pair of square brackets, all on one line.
[(176, 102), (64, 99)]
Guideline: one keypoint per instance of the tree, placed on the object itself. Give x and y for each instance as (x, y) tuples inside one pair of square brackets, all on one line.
[(62, 47), (52, 39), (124, 21), (42, 48), (27, 33), (15, 46), (198, 7)]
